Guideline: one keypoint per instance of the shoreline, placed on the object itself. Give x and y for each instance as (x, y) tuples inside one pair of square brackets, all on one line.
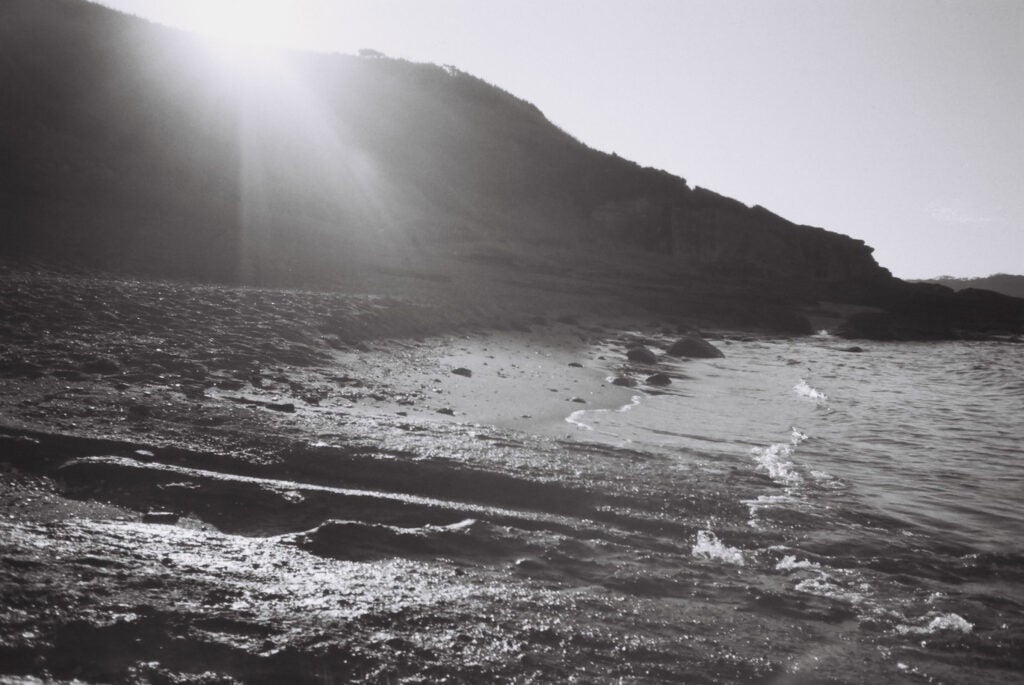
[(234, 472), (209, 484)]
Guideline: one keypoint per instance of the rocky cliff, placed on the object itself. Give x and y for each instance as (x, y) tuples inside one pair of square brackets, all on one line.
[(133, 147)]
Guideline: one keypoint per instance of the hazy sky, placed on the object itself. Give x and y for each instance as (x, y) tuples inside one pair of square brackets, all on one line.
[(899, 122)]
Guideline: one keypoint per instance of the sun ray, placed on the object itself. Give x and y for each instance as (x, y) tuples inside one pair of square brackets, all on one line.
[(254, 22)]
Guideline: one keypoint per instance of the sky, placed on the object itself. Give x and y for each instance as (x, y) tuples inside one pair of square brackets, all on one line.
[(900, 123)]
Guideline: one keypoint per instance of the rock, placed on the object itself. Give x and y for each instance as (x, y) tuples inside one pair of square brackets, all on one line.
[(446, 410), (658, 379), (576, 365), (853, 348), (624, 381), (462, 372), (641, 355), (286, 407), (693, 346), (160, 517), (578, 400), (568, 320)]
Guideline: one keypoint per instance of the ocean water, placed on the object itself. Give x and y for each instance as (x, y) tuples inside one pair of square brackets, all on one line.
[(880, 494)]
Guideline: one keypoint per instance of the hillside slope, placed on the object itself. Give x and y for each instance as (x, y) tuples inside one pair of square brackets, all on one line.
[(136, 145), (136, 148)]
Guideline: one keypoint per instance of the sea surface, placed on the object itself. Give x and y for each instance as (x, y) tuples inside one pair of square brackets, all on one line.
[(890, 505)]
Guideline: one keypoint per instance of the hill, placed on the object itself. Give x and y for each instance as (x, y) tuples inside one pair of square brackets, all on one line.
[(136, 148), (134, 144), (1007, 284)]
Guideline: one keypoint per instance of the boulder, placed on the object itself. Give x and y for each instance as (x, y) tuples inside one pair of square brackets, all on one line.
[(658, 379), (693, 346), (641, 355)]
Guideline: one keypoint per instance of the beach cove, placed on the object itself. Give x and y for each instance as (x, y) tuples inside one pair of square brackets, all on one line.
[(334, 489)]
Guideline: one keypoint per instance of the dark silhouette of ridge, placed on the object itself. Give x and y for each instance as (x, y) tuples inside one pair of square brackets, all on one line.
[(133, 147), (1007, 284)]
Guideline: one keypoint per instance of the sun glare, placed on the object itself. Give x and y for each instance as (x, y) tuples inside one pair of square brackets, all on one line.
[(266, 23)]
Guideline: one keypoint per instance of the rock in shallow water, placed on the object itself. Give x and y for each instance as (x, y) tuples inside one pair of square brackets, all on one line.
[(693, 346), (658, 379), (642, 355)]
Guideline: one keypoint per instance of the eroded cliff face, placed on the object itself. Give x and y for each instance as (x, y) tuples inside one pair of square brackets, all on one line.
[(715, 235)]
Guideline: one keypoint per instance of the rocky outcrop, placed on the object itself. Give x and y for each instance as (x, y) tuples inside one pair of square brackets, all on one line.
[(934, 312), (715, 235)]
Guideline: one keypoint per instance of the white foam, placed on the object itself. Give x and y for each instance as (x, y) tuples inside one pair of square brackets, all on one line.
[(804, 390), (754, 506), (460, 525), (825, 586), (939, 623), (708, 546), (827, 480), (775, 459), (633, 402), (790, 563), (575, 419)]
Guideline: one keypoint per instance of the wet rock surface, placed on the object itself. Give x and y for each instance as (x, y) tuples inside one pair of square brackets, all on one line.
[(693, 346)]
